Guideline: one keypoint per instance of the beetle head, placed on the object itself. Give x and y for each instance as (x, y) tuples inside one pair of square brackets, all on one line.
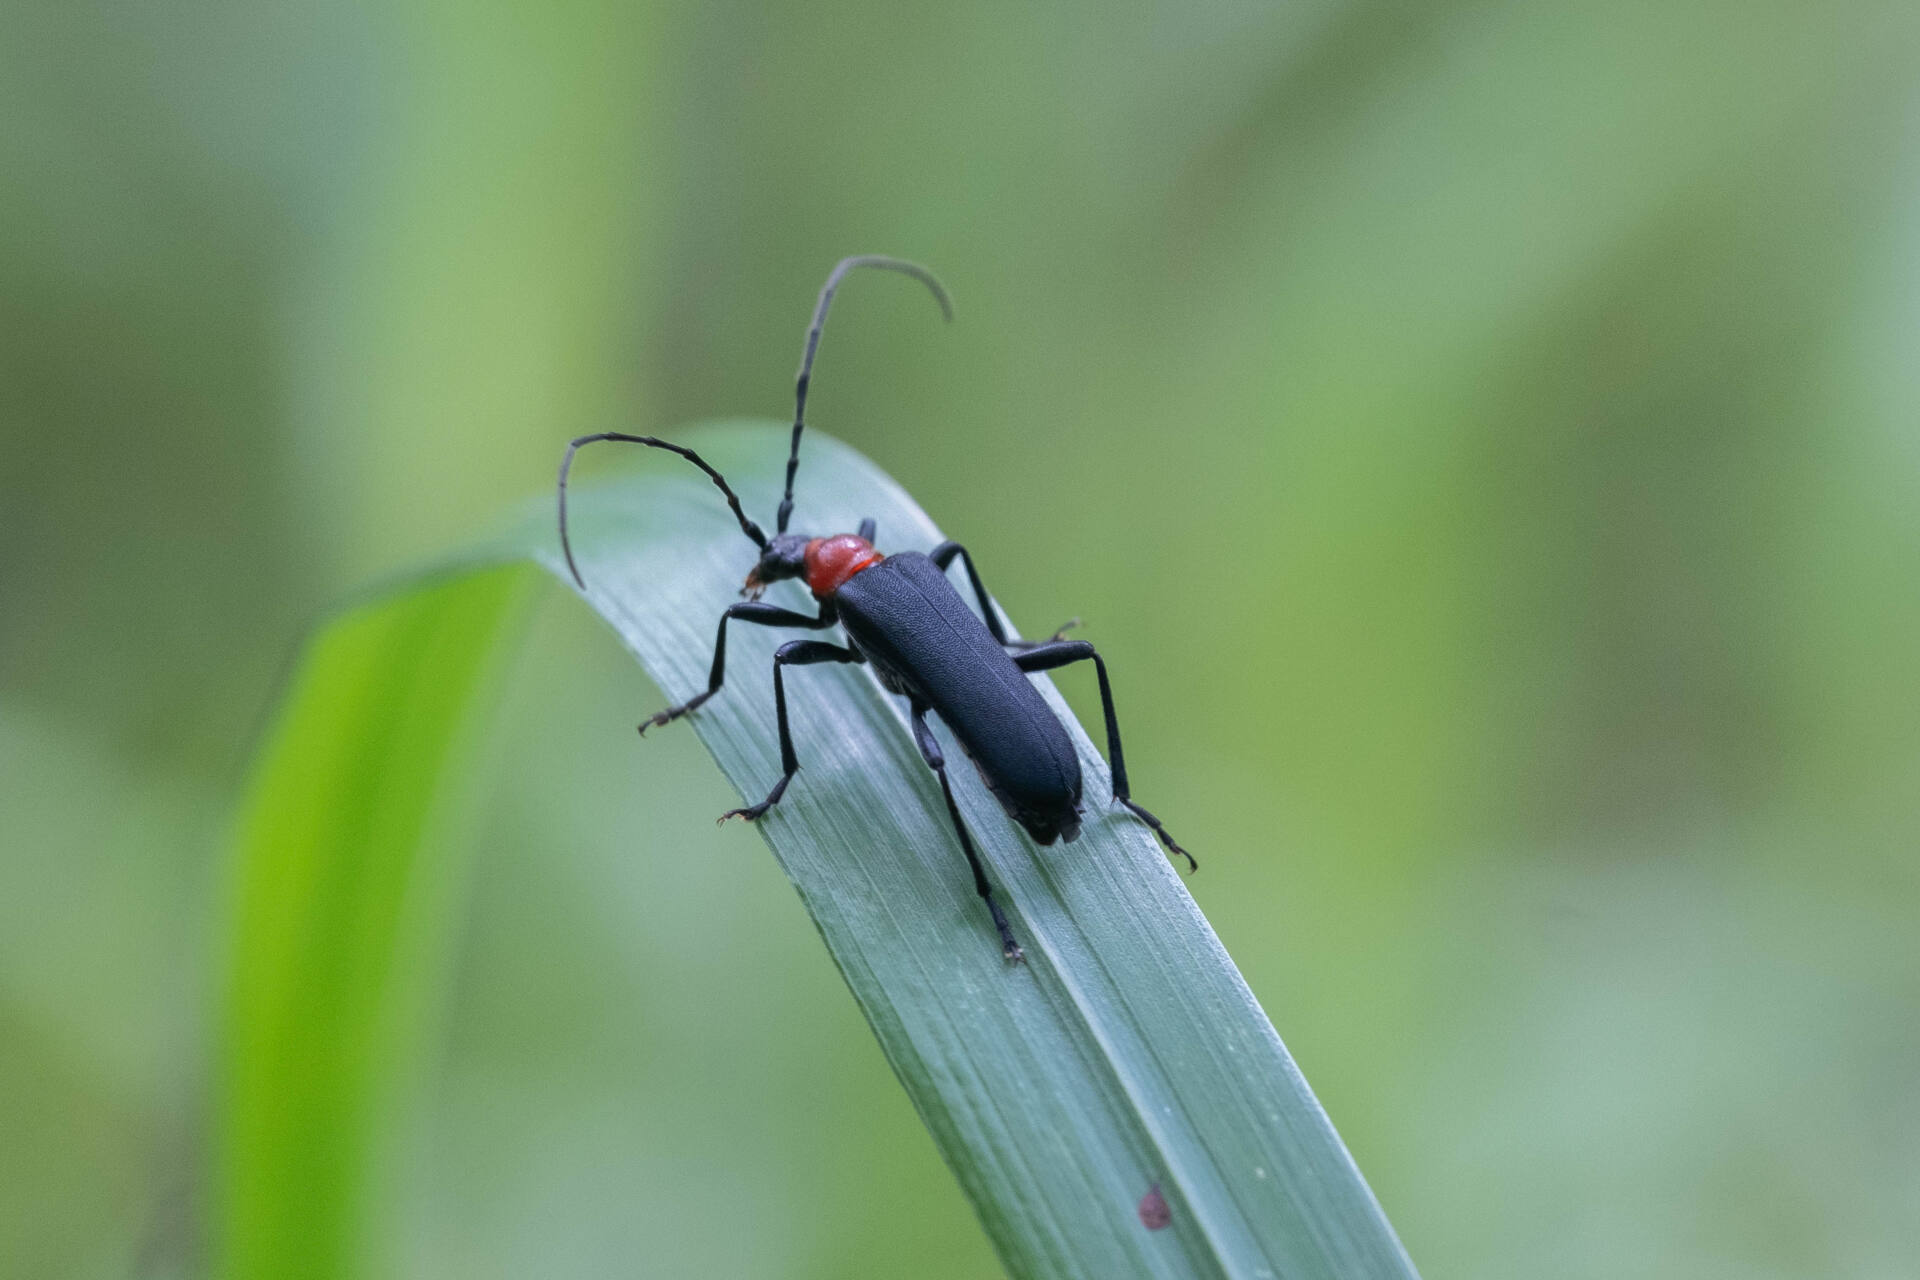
[(785, 557)]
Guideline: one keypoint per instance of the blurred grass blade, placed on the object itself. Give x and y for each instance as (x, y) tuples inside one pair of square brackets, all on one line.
[(342, 890), (1127, 1053)]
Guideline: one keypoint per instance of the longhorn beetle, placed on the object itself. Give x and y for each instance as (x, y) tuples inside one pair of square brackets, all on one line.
[(902, 615)]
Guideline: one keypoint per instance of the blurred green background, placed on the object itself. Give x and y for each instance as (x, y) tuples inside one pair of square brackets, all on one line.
[(1482, 437)]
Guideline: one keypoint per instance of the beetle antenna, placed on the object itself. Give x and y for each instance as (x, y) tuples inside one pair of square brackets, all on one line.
[(747, 526), (839, 273)]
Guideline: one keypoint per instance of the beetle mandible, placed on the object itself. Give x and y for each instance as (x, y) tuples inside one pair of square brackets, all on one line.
[(903, 617)]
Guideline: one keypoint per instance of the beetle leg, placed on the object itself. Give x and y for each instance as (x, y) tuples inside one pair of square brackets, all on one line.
[(868, 528), (942, 556), (937, 761), (794, 653), (1059, 634), (1058, 653), (764, 615)]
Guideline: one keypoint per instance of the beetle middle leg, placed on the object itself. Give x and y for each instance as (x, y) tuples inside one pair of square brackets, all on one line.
[(943, 555), (1059, 653), (937, 761), (762, 615), (794, 653)]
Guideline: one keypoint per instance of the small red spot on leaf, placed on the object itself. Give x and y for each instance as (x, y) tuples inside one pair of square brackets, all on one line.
[(1154, 1213)]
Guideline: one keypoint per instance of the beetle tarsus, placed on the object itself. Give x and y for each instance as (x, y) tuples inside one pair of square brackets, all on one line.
[(753, 812), (1165, 837), (671, 714), (1008, 947)]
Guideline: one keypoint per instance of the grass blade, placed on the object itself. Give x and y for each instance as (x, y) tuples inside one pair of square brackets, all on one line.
[(1127, 1053), (341, 889)]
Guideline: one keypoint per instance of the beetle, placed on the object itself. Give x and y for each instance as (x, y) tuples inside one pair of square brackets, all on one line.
[(902, 616)]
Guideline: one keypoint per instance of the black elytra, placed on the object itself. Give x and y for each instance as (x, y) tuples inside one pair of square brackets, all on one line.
[(902, 616)]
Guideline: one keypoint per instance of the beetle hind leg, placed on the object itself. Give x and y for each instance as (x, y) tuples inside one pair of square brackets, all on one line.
[(1058, 653), (937, 761)]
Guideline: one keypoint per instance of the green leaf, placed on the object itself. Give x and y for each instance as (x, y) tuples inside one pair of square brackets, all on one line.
[(348, 851), (1125, 1054)]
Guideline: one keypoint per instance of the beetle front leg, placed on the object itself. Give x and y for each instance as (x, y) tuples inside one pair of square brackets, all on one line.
[(1059, 653), (762, 615), (794, 653), (937, 761)]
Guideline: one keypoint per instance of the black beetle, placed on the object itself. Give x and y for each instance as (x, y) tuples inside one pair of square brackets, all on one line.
[(902, 616)]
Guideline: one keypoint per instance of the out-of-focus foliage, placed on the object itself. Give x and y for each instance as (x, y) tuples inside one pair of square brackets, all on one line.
[(1481, 437), (346, 873)]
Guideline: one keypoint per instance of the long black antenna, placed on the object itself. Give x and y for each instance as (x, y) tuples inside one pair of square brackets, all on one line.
[(839, 272), (747, 526)]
